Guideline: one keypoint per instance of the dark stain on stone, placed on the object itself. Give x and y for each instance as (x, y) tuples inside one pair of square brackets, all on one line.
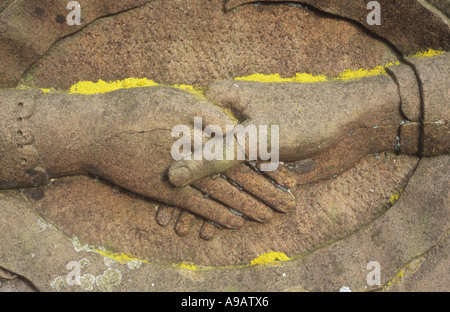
[(36, 193), (60, 19), (39, 11), (303, 166), (32, 172), (41, 179)]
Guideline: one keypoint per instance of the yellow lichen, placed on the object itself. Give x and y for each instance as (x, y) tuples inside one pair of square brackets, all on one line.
[(270, 258), (395, 197), (190, 89), (429, 53), (392, 63), (308, 78), (187, 266), (361, 73), (347, 74), (119, 256), (89, 87), (410, 268), (275, 78), (263, 78)]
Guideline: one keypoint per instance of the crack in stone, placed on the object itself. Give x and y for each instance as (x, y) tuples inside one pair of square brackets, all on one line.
[(422, 106), (131, 133), (421, 256), (6, 6)]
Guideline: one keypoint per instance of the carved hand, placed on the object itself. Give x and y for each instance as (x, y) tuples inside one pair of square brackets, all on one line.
[(326, 127), (122, 136)]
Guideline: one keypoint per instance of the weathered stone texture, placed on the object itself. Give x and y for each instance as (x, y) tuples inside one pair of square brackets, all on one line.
[(195, 42), (410, 25)]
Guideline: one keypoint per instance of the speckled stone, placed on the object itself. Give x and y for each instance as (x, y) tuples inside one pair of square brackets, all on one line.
[(195, 42), (410, 25)]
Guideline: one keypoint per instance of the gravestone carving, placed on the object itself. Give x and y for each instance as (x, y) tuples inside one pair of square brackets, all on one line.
[(97, 168)]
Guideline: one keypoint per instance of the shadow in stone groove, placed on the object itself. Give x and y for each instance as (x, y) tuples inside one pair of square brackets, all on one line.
[(322, 13), (22, 279)]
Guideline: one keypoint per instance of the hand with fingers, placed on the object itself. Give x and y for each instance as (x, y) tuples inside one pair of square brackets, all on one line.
[(248, 192), (326, 127), (124, 137), (313, 119)]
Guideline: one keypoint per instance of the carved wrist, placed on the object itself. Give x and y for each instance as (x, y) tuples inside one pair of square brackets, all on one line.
[(19, 158)]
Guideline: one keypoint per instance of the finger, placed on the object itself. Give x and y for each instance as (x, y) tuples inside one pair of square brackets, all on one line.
[(207, 231), (244, 203), (195, 202), (184, 223), (164, 214), (282, 176), (256, 184)]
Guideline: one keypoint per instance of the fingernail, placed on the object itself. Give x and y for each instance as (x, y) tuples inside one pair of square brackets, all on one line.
[(180, 176), (265, 215)]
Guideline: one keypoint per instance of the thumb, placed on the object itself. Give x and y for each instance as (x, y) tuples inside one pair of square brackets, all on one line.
[(203, 162), (242, 143), (186, 172)]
